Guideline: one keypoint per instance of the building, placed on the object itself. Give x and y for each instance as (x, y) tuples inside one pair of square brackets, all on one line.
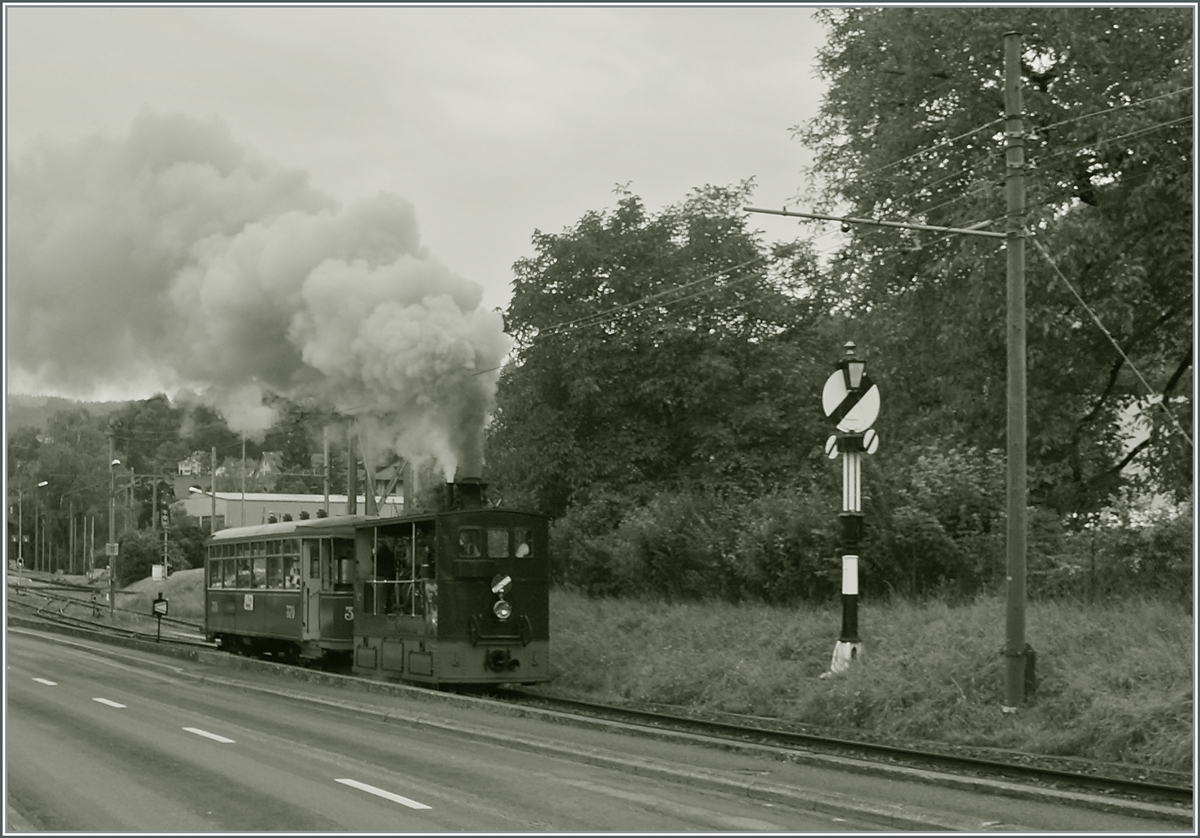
[(234, 509)]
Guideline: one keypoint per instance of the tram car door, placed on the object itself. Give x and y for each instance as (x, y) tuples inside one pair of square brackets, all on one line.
[(310, 592)]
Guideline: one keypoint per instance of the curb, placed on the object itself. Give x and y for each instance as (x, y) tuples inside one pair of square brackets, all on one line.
[(890, 815)]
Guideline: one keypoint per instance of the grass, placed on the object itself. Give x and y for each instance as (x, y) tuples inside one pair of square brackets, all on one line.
[(1114, 680)]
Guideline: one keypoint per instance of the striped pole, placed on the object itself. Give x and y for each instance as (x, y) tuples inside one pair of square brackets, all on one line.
[(849, 647)]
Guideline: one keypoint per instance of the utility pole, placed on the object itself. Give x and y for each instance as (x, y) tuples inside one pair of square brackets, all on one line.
[(351, 473), (242, 522), (1014, 231), (111, 547), (325, 461), (212, 484)]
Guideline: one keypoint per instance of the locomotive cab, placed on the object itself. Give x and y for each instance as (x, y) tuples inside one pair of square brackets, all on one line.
[(460, 595)]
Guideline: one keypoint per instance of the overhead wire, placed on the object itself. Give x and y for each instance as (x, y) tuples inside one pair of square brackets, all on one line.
[(1113, 109), (1100, 324)]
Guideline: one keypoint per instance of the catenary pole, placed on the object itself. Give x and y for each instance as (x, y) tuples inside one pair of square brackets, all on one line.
[(325, 460), (1014, 647), (110, 549), (212, 492)]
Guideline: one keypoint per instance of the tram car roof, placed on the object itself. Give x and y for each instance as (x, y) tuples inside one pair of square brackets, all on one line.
[(312, 526), (318, 526)]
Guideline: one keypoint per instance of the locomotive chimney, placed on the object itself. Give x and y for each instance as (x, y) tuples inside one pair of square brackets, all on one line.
[(465, 493)]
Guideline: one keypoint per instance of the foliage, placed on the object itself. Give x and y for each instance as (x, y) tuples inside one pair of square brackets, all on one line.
[(910, 130), (1113, 556), (140, 550), (70, 453), (654, 351), (701, 544)]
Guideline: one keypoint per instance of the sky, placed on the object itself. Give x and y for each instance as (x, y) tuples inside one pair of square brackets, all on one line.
[(161, 159)]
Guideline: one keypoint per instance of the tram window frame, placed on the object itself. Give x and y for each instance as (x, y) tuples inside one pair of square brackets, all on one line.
[(470, 542), (402, 592), (215, 575), (229, 573), (258, 572), (497, 542), (274, 572), (291, 572), (341, 571), (523, 537)]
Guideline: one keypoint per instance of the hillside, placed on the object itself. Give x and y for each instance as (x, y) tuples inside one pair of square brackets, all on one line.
[(23, 411)]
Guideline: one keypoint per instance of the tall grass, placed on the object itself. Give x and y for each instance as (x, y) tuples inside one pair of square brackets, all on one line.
[(1114, 682)]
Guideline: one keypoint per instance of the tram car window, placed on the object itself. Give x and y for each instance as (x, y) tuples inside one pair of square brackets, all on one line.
[(497, 542), (524, 540), (468, 542)]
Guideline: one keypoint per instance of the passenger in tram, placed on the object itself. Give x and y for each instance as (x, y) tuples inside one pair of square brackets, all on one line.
[(468, 543), (385, 576)]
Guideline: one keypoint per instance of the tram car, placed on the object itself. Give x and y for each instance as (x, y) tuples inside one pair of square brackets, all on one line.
[(457, 596)]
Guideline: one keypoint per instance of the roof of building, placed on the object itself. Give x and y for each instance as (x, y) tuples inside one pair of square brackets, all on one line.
[(278, 497)]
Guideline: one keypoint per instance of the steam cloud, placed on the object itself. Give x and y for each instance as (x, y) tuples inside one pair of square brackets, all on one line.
[(177, 255)]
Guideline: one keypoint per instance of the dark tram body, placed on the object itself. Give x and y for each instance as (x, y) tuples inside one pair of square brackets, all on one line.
[(456, 596)]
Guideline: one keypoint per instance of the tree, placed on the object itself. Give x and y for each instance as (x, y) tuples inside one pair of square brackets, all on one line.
[(656, 350), (911, 129)]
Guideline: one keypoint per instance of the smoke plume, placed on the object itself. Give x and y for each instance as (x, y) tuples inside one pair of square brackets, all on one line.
[(177, 255)]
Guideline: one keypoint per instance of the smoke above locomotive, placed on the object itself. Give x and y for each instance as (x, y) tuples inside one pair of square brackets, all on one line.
[(178, 256)]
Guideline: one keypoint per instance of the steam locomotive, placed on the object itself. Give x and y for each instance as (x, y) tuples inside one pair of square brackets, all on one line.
[(457, 596)]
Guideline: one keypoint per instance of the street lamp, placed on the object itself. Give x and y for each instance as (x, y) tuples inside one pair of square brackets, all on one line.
[(852, 368), (35, 525), (110, 549)]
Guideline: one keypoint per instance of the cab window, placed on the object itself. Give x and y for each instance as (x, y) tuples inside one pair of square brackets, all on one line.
[(469, 540), (497, 542), (523, 538)]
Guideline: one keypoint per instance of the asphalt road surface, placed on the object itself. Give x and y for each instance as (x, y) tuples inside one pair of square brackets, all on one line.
[(97, 744)]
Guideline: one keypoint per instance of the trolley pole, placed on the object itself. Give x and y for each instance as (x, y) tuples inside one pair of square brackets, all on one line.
[(1015, 648), (851, 401)]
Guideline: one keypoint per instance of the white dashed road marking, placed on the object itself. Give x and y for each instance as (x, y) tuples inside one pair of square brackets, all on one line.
[(108, 702), (47, 683), (208, 735), (404, 801)]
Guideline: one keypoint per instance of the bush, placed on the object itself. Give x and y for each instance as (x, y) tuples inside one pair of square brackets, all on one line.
[(700, 545), (139, 551), (1115, 554)]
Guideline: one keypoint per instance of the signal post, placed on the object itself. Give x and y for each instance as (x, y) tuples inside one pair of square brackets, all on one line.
[(851, 402)]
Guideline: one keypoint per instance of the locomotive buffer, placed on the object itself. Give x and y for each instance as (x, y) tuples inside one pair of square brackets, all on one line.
[(850, 400)]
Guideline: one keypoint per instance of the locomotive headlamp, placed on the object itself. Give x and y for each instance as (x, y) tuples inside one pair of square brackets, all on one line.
[(502, 610)]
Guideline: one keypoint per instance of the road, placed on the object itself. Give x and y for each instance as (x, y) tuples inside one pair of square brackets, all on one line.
[(99, 744)]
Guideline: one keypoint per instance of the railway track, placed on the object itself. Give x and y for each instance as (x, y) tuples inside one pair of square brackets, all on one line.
[(1061, 774), (51, 604)]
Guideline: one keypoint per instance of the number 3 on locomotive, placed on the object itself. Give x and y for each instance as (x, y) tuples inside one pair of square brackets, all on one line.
[(349, 615)]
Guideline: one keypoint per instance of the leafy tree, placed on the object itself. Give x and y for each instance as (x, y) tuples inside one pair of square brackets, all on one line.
[(911, 130), (654, 350)]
